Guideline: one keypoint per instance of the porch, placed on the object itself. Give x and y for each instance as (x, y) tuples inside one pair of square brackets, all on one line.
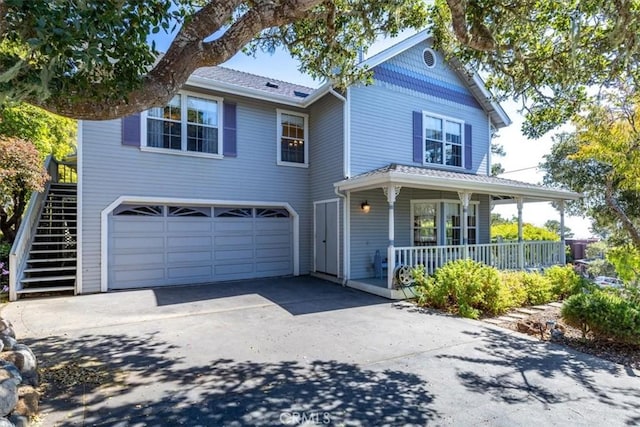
[(525, 255), (409, 216)]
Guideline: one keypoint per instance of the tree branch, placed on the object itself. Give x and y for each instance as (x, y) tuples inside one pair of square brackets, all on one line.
[(627, 224), (187, 53), (476, 36)]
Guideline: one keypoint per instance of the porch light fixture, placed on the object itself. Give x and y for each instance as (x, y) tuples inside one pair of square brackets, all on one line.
[(365, 206)]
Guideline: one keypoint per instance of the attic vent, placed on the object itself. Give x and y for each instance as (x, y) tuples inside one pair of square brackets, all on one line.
[(429, 58), (273, 85), (300, 94)]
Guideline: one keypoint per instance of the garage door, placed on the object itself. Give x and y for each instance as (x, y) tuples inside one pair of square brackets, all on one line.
[(155, 245)]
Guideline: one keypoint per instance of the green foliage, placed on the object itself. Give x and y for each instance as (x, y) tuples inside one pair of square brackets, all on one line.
[(600, 159), (49, 133), (626, 260), (464, 287), (59, 54), (605, 315), (564, 281), (469, 288), (553, 225), (21, 172), (543, 53), (509, 231)]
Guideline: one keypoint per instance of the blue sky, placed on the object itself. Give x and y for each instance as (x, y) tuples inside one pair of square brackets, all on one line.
[(523, 155)]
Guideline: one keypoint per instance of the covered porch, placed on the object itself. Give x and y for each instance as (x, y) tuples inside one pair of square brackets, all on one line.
[(401, 217)]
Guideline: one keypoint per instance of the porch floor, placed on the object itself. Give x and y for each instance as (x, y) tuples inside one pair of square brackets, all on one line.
[(378, 287)]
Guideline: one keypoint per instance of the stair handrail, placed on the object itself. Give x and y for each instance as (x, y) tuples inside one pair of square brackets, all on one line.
[(19, 251)]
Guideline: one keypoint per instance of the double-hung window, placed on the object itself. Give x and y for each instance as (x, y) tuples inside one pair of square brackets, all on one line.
[(188, 123), (293, 143), (443, 140)]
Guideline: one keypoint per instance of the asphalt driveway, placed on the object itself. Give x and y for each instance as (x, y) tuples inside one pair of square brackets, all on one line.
[(301, 350)]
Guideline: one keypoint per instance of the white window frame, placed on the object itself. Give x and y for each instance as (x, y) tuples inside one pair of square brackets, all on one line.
[(444, 119), (305, 117), (441, 227), (184, 124)]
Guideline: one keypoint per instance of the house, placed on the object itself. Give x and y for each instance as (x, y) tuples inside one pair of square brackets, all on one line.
[(242, 177)]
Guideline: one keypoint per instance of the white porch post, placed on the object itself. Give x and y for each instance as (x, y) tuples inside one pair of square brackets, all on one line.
[(391, 192), (520, 203), (563, 253), (465, 197)]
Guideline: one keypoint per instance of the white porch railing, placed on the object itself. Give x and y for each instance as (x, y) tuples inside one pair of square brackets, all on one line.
[(503, 256)]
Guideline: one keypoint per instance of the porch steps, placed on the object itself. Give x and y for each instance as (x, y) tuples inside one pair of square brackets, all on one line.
[(52, 262), (520, 314)]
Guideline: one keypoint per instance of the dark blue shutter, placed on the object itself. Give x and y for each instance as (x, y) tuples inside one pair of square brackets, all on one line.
[(418, 155), (229, 137), (131, 130), (468, 158)]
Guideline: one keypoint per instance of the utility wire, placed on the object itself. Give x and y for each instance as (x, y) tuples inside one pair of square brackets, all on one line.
[(520, 170)]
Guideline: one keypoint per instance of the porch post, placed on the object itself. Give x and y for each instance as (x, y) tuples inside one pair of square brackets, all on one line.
[(464, 198), (391, 192), (520, 203), (563, 252)]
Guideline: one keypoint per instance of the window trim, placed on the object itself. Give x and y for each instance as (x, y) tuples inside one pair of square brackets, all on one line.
[(441, 227), (184, 125), (444, 119), (279, 161)]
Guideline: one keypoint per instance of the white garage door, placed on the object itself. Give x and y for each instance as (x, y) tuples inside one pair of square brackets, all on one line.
[(171, 245)]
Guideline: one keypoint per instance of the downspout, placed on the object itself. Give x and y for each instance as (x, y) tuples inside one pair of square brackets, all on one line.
[(345, 197)]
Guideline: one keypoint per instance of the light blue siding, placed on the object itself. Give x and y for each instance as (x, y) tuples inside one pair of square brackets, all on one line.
[(370, 232), (110, 170), (381, 116), (326, 154)]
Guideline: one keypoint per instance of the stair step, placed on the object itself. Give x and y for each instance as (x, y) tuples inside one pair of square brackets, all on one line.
[(47, 279), (55, 235), (45, 289), (59, 242), (53, 228), (44, 269), (36, 260), (51, 251)]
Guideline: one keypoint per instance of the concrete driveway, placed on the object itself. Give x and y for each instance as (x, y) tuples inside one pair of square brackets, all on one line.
[(301, 350)]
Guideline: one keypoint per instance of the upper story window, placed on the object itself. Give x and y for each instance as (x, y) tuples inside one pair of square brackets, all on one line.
[(188, 123), (293, 143), (443, 140)]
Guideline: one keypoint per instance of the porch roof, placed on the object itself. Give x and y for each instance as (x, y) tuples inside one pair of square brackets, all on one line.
[(503, 190)]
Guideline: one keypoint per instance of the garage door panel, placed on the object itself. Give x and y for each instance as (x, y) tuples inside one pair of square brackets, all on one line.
[(279, 252), (152, 244), (189, 256), (273, 240), (189, 273), (226, 269), (138, 275), (137, 259), (188, 242), (233, 226), (233, 241), (141, 225), (273, 225), (245, 255), (273, 267), (180, 225)]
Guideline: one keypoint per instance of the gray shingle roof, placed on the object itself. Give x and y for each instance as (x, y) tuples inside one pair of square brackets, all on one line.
[(416, 170), (253, 81)]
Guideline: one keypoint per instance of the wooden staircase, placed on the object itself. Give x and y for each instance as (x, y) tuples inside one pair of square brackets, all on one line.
[(51, 264)]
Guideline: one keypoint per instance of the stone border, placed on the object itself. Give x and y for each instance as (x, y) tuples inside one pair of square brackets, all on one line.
[(18, 379)]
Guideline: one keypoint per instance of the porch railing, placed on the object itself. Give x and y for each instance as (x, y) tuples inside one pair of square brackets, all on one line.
[(503, 256)]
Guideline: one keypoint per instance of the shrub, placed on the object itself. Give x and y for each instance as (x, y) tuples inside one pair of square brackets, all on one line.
[(564, 281), (537, 288), (605, 315), (464, 287), (513, 283)]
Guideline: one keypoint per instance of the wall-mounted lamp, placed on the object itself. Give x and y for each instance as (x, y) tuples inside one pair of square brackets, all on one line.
[(365, 206)]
